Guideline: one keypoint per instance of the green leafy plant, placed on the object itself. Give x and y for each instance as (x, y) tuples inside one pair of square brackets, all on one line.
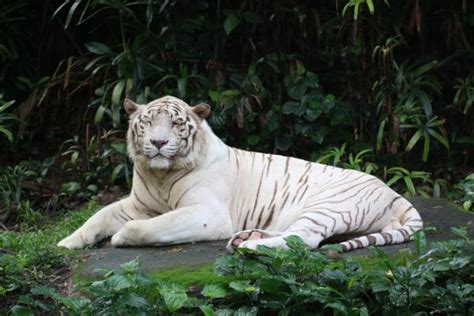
[(29, 258), (464, 96), (6, 118), (356, 161), (408, 105), (103, 159), (427, 131), (356, 5), (399, 174), (333, 155), (265, 281), (11, 188), (465, 192)]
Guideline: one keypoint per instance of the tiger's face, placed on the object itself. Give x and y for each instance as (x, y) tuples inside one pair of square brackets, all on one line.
[(163, 131)]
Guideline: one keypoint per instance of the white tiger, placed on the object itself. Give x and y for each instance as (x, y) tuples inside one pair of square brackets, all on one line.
[(189, 186)]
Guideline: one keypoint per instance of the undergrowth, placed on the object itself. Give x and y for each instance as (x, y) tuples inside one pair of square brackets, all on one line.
[(298, 281), (30, 258)]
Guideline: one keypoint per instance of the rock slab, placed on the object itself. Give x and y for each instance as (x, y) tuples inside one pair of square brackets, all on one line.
[(435, 212)]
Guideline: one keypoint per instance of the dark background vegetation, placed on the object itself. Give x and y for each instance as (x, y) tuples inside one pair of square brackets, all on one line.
[(381, 86)]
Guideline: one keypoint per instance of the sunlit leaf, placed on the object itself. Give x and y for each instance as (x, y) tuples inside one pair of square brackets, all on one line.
[(413, 140), (214, 291)]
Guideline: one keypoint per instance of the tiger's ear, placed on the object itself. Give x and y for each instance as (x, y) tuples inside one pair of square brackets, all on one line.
[(202, 110), (130, 106)]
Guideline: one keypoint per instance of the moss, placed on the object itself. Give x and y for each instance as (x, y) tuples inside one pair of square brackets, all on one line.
[(195, 275)]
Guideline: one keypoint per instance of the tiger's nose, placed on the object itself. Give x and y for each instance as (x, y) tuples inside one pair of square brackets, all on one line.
[(158, 143)]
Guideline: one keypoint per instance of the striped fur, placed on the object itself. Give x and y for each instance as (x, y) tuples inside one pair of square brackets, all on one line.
[(197, 188)]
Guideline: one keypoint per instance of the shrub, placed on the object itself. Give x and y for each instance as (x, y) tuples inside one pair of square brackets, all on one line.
[(272, 281)]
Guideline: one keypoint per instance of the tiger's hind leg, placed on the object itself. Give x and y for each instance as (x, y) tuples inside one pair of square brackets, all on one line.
[(401, 228), (311, 230), (239, 238)]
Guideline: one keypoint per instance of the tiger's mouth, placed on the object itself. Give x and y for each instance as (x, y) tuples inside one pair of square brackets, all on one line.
[(159, 155)]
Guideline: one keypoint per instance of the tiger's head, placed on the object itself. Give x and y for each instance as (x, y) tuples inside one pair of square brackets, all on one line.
[(165, 132)]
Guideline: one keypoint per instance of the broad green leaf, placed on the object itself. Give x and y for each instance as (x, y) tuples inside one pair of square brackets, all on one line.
[(116, 172), (426, 146), (425, 101), (131, 266), (253, 140), (117, 92), (290, 107), (119, 282), (246, 311), (435, 122), (8, 134), (99, 114), (231, 22), (439, 137), (460, 232), (283, 142), (231, 93), (336, 307), (242, 286), (426, 67), (312, 115), (419, 238), (393, 180), (370, 5), (6, 105), (295, 242), (356, 10), (467, 205), (93, 188), (319, 135), (98, 48), (214, 95), (174, 301), (214, 291), (19, 310), (207, 310), (135, 300), (409, 184), (72, 186)]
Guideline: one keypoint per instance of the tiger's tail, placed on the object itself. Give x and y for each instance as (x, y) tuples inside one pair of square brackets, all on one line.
[(411, 223)]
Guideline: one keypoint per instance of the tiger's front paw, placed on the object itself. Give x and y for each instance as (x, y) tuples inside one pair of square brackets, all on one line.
[(73, 241), (131, 234), (82, 237)]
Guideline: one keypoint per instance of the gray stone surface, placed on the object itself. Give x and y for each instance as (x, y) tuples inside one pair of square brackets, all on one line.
[(435, 212)]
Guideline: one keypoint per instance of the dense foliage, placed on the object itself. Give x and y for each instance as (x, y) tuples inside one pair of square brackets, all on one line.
[(377, 85), (286, 283)]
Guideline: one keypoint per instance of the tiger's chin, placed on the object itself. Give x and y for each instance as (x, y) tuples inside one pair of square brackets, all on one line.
[(161, 163)]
